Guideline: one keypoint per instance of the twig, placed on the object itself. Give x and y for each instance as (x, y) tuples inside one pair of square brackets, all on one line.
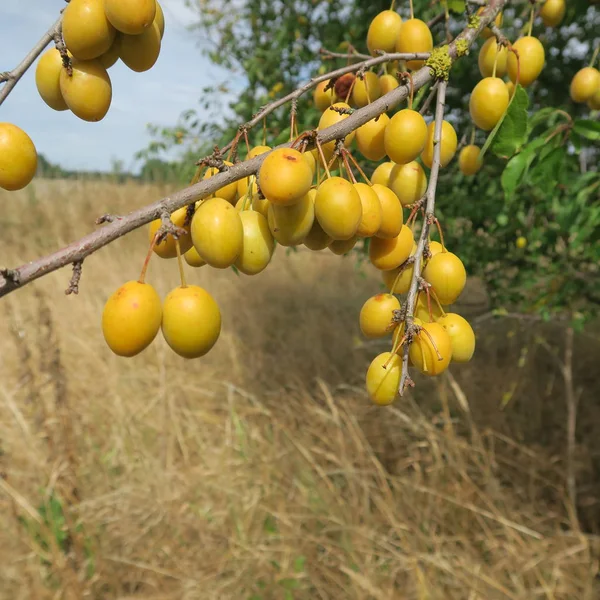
[(411, 299), (75, 278), (429, 99), (113, 230), (12, 78)]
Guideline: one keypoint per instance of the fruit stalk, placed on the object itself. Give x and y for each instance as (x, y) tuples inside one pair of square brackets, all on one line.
[(413, 291)]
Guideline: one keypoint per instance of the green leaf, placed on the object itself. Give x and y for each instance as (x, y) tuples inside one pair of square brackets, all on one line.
[(547, 172), (512, 133), (456, 6), (588, 129), (516, 169)]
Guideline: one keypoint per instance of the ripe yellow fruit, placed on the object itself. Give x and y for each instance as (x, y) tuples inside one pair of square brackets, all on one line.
[(387, 83), (18, 158), (370, 138), (398, 280), (405, 136), (381, 175), (47, 79), (244, 184), (584, 84), (291, 224), (408, 182), (422, 309), (338, 208), (258, 244), (387, 254), (461, 335), (447, 275), (382, 383), (229, 191), (193, 259), (285, 177), (426, 350), (366, 90), (341, 247), (217, 232), (140, 52), (323, 99), (191, 322), (468, 160), (488, 102), (316, 239), (130, 16), (594, 101), (531, 60), (449, 143), (111, 56), (392, 216), (487, 32), (492, 52), (131, 318), (435, 247), (521, 242), (383, 32), (88, 93), (414, 36), (377, 314), (510, 86), (330, 117), (309, 157), (159, 19), (553, 12), (167, 248), (86, 30), (371, 210)]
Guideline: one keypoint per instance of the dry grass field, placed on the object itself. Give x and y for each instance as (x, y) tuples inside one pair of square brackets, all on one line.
[(262, 471)]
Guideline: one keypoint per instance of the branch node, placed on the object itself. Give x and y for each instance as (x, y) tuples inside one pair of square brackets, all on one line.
[(11, 275), (75, 278), (107, 218)]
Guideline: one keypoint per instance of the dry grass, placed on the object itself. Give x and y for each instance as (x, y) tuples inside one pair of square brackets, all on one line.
[(262, 471)]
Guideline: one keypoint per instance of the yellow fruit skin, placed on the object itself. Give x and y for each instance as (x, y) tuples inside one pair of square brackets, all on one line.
[(422, 309), (447, 275), (371, 210), (341, 247), (392, 216), (285, 177), (18, 158), (461, 335), (382, 384), (468, 160), (193, 259), (167, 248), (594, 101), (88, 93), (131, 318), (316, 239), (408, 182), (387, 254), (487, 56), (323, 99), (338, 208), (487, 32), (584, 84), (191, 322), (553, 12), (217, 232), (291, 224), (331, 117), (258, 245), (140, 52), (398, 280), (449, 144), (510, 86), (381, 175), (111, 56), (229, 191), (405, 136), (86, 30), (130, 16), (384, 31), (370, 138), (435, 247), (414, 36), (47, 79), (423, 354), (159, 19), (387, 83), (531, 57), (376, 315), (366, 90), (488, 102), (521, 242)]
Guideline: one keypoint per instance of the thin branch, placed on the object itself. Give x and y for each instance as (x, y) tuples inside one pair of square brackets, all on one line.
[(75, 278), (411, 299), (429, 99), (12, 78), (12, 279)]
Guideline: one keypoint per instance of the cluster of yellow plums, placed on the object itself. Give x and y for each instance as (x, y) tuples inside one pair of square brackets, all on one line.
[(96, 33)]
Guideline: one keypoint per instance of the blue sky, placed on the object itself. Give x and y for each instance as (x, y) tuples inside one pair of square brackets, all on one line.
[(157, 96)]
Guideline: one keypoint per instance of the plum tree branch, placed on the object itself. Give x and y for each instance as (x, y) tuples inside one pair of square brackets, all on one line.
[(12, 279)]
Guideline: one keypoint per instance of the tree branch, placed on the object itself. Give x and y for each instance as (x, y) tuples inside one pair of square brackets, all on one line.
[(12, 279)]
